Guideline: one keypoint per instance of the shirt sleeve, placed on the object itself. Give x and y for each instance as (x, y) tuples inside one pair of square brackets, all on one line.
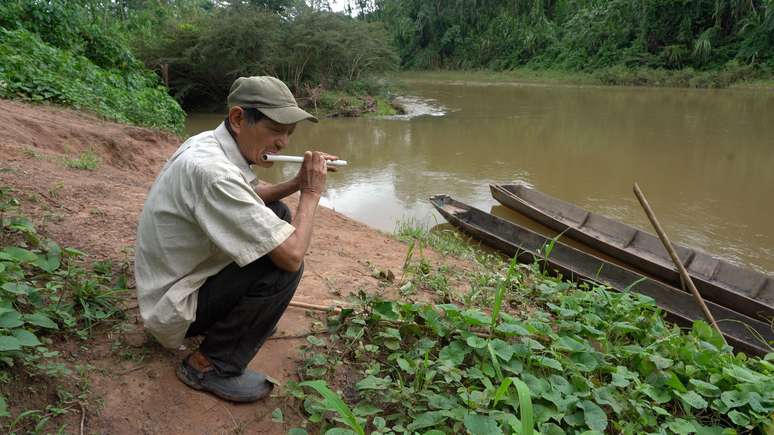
[(237, 221)]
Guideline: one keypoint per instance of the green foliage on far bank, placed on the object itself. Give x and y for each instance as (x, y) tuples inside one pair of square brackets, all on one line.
[(61, 52), (628, 40), (202, 51)]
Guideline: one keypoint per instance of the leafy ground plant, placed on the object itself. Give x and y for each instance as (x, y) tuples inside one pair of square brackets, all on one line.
[(45, 291), (584, 360)]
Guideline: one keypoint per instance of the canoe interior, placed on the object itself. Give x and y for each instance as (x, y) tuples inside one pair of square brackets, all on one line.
[(577, 265), (638, 248)]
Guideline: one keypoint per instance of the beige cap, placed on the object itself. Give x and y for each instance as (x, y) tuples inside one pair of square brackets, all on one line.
[(270, 96)]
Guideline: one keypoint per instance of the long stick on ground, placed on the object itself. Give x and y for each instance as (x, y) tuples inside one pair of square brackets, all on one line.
[(314, 307), (675, 259)]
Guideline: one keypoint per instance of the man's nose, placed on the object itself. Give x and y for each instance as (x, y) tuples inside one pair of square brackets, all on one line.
[(283, 139)]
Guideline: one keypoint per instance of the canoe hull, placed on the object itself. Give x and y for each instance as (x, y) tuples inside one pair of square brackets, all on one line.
[(578, 266), (745, 291)]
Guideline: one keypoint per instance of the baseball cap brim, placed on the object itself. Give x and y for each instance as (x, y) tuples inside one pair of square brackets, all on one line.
[(288, 115)]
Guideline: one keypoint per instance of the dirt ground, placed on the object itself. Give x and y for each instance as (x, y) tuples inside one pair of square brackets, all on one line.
[(133, 388)]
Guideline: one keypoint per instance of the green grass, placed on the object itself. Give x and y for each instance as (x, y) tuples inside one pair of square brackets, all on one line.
[(87, 160)]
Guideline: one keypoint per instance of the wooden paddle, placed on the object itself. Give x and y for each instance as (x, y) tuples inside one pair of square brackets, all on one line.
[(675, 259)]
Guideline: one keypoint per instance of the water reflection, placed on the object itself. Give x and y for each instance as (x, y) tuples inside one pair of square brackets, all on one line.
[(705, 159)]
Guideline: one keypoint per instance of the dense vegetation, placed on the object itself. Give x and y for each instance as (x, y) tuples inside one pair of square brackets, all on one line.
[(101, 55), (201, 51), (734, 38), (68, 54), (522, 351)]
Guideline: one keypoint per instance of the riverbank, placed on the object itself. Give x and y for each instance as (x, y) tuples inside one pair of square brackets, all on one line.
[(732, 78), (432, 341), (82, 181)]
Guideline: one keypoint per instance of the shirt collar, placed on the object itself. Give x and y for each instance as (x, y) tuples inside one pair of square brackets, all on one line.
[(231, 150)]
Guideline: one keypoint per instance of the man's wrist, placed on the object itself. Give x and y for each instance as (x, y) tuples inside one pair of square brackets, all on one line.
[(310, 192)]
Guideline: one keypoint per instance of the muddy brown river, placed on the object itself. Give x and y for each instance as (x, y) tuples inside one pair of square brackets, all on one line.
[(705, 159)]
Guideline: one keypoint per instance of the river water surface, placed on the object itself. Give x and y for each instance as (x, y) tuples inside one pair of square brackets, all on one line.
[(704, 159)]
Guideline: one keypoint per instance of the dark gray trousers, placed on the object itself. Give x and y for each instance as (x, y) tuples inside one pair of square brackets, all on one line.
[(239, 306)]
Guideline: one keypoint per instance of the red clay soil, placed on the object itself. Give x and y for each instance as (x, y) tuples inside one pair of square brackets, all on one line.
[(134, 389)]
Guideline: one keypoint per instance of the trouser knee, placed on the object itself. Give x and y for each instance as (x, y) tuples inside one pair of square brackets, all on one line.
[(281, 210)]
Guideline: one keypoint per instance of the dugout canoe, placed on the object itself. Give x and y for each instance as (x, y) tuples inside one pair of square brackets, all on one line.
[(743, 290), (742, 332)]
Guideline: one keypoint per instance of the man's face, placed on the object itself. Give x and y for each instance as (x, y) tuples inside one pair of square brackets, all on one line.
[(263, 137)]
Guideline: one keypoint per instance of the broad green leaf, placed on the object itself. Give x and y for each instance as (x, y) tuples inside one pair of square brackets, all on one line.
[(276, 416), (475, 318), (405, 366), (26, 338), (11, 319), (673, 381), (512, 329), (547, 362), (18, 288), (693, 399), (20, 255), (364, 409), (739, 418), (734, 399), (478, 424), (9, 343), (454, 353), (372, 382), (593, 415), (658, 395), (586, 361), (315, 341), (502, 349), (743, 374), (476, 342), (705, 388), (607, 396), (570, 344), (333, 402), (426, 419), (386, 310), (661, 362), (338, 431), (40, 319), (681, 426), (551, 429), (298, 431)]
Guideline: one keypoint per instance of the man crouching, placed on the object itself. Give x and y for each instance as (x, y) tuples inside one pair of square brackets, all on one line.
[(217, 254)]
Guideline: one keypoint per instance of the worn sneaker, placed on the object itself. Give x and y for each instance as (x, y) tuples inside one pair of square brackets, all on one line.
[(250, 386)]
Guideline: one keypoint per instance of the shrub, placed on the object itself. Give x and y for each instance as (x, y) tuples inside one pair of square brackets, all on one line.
[(32, 70)]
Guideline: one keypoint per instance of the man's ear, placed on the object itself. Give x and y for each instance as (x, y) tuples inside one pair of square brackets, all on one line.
[(236, 118)]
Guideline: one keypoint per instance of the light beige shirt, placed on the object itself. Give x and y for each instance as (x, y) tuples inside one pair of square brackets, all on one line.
[(201, 214)]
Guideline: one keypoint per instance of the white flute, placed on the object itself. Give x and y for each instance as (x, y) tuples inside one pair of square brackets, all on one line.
[(298, 159)]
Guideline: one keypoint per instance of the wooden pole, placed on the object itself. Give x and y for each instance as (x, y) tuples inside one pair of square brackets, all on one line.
[(675, 259), (314, 307)]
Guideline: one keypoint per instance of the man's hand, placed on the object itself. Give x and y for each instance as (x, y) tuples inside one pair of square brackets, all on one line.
[(311, 176)]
